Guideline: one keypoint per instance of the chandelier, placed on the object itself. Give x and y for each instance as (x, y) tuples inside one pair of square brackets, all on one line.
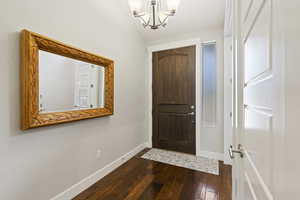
[(153, 13)]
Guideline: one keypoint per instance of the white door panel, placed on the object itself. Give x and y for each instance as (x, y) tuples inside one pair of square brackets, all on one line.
[(246, 5), (82, 89), (257, 45), (257, 128), (249, 188), (254, 180), (250, 11), (266, 111), (255, 94), (258, 142), (256, 107)]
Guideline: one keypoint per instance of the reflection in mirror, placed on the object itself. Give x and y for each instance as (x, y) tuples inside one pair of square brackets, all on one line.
[(66, 84)]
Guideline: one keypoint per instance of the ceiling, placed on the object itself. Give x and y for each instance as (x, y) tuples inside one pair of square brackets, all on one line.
[(193, 16)]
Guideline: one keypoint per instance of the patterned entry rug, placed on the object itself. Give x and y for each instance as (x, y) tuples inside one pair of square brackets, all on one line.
[(183, 160)]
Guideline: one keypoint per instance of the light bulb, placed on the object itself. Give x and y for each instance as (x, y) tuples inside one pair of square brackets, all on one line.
[(173, 4), (135, 5)]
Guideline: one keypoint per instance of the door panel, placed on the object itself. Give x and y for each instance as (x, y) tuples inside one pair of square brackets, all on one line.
[(174, 99), (172, 77), (173, 129), (252, 179), (257, 45), (250, 11), (246, 5), (267, 108), (258, 128), (249, 191), (82, 89), (256, 135), (254, 94)]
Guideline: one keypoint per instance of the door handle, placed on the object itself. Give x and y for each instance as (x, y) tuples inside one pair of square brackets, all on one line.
[(239, 151), (192, 113)]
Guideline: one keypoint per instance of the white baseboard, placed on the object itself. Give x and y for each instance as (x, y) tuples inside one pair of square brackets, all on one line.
[(77, 188), (212, 155), (149, 144)]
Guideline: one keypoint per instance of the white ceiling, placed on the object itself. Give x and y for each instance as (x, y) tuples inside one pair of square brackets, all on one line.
[(193, 16)]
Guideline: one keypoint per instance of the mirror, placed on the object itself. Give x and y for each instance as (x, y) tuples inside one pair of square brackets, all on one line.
[(61, 83), (67, 84)]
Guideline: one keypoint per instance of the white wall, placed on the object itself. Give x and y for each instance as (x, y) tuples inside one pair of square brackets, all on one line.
[(211, 139), (40, 163)]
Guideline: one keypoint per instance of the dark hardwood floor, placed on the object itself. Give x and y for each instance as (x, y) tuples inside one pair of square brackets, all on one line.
[(140, 179)]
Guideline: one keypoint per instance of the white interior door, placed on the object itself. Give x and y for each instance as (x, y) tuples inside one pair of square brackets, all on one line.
[(83, 85), (94, 86), (97, 83), (256, 108)]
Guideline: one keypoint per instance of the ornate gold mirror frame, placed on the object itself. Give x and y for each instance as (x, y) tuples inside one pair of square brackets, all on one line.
[(31, 43)]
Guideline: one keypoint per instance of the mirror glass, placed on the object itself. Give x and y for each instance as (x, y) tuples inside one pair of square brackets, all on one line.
[(66, 84)]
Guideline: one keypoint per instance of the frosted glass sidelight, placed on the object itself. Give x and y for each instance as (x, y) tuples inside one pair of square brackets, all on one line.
[(209, 85)]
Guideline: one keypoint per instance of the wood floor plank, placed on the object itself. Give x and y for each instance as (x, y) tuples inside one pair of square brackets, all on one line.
[(151, 191), (130, 181), (194, 186), (173, 186), (138, 190), (141, 179)]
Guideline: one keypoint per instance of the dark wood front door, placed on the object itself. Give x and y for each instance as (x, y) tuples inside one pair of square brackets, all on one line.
[(174, 99)]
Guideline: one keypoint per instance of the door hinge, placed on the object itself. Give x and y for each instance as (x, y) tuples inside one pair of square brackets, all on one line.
[(238, 151)]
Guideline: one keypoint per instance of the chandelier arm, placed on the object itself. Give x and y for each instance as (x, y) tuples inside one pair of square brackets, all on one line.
[(159, 20), (165, 19), (144, 21), (140, 16), (147, 24)]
